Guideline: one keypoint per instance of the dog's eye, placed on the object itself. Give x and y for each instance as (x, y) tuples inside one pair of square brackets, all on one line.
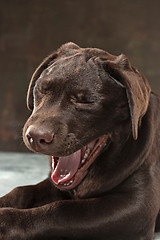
[(82, 101)]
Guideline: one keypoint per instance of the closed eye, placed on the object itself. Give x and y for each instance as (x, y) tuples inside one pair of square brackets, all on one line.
[(82, 99), (82, 103)]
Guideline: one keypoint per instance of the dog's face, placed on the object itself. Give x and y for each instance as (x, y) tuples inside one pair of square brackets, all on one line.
[(77, 106)]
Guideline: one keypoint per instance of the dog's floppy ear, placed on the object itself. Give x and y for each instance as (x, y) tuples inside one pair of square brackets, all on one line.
[(137, 88), (35, 76)]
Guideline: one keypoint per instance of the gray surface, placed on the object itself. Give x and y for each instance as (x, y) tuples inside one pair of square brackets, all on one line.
[(21, 169), (156, 236)]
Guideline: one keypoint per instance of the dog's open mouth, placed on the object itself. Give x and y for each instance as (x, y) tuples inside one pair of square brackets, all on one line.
[(68, 172)]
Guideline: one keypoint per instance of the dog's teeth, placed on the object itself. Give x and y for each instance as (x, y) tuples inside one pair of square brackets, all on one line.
[(85, 155), (67, 184), (71, 181), (31, 140), (53, 162), (87, 152), (83, 160), (53, 165)]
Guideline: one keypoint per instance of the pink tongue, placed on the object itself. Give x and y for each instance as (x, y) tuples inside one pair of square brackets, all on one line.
[(66, 167)]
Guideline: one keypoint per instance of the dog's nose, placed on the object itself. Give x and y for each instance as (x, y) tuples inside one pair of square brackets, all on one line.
[(37, 136)]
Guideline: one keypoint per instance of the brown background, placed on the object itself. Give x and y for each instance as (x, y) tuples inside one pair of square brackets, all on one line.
[(31, 29)]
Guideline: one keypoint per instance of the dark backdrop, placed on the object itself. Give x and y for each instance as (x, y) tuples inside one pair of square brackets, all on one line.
[(31, 29)]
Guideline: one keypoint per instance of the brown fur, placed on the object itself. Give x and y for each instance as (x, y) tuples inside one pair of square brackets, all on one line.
[(78, 95)]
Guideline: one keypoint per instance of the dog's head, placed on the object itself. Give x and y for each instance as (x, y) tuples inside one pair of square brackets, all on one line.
[(79, 98)]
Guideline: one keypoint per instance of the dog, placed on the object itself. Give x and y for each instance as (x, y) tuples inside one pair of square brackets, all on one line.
[(95, 117)]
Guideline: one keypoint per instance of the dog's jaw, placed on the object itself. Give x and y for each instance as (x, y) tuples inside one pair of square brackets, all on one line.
[(68, 172)]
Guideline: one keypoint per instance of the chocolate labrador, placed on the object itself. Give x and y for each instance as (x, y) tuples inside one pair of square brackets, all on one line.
[(96, 118)]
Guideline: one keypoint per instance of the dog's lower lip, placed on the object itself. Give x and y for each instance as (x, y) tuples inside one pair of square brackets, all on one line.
[(89, 153)]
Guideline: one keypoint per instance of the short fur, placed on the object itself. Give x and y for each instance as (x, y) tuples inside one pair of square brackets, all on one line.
[(76, 96)]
